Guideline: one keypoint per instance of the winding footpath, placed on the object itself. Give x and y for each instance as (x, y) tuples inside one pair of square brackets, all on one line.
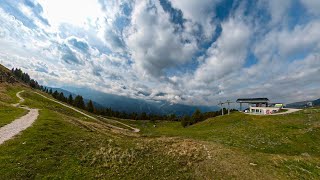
[(14, 128), (10, 130)]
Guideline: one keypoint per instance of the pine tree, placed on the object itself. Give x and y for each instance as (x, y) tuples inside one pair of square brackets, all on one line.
[(78, 102), (61, 96), (70, 99), (172, 117), (134, 116), (196, 116), (18, 73), (90, 106), (143, 116), (185, 121), (34, 84), (55, 94)]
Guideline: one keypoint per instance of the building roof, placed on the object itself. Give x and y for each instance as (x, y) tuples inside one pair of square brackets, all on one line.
[(253, 100)]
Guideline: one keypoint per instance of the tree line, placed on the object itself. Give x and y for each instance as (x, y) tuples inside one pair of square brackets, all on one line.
[(198, 116), (186, 120), (24, 77), (78, 101)]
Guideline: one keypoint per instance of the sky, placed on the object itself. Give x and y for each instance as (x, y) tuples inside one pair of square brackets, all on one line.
[(182, 51)]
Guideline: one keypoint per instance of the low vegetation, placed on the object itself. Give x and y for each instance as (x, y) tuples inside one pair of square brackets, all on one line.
[(9, 113), (63, 144), (292, 134)]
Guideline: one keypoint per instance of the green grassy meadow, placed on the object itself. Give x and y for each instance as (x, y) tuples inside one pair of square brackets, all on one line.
[(9, 113), (62, 144), (291, 134)]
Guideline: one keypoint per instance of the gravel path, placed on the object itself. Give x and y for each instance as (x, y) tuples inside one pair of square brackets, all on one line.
[(289, 110), (10, 130)]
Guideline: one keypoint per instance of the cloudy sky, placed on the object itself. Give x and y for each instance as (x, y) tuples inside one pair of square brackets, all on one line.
[(183, 51)]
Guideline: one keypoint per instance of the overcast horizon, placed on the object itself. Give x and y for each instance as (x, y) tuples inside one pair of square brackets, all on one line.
[(182, 51)]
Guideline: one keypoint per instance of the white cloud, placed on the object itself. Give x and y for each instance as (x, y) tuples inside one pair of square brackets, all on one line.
[(313, 6), (201, 12), (116, 47), (301, 39), (285, 43), (153, 42), (113, 39), (227, 54), (78, 13), (278, 10)]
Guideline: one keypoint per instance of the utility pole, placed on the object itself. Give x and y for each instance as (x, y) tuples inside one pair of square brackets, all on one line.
[(228, 102), (221, 105)]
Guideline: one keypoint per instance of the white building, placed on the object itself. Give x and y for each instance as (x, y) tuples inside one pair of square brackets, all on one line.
[(260, 105), (263, 110)]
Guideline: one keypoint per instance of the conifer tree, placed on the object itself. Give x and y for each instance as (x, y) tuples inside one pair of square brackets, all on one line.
[(90, 106), (70, 99), (185, 121), (61, 96), (55, 94), (196, 116), (78, 102)]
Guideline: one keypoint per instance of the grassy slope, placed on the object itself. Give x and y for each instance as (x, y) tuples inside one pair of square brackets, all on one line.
[(64, 144), (55, 148), (8, 93), (294, 138), (284, 134), (7, 112)]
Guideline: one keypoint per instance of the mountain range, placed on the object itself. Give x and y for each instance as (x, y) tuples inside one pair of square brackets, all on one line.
[(303, 104), (127, 104)]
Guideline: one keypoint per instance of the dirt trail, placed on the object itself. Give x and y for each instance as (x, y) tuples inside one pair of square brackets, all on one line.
[(115, 121), (10, 130), (91, 117), (70, 107)]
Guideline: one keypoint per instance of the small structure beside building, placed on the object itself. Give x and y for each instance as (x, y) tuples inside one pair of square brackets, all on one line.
[(260, 105)]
